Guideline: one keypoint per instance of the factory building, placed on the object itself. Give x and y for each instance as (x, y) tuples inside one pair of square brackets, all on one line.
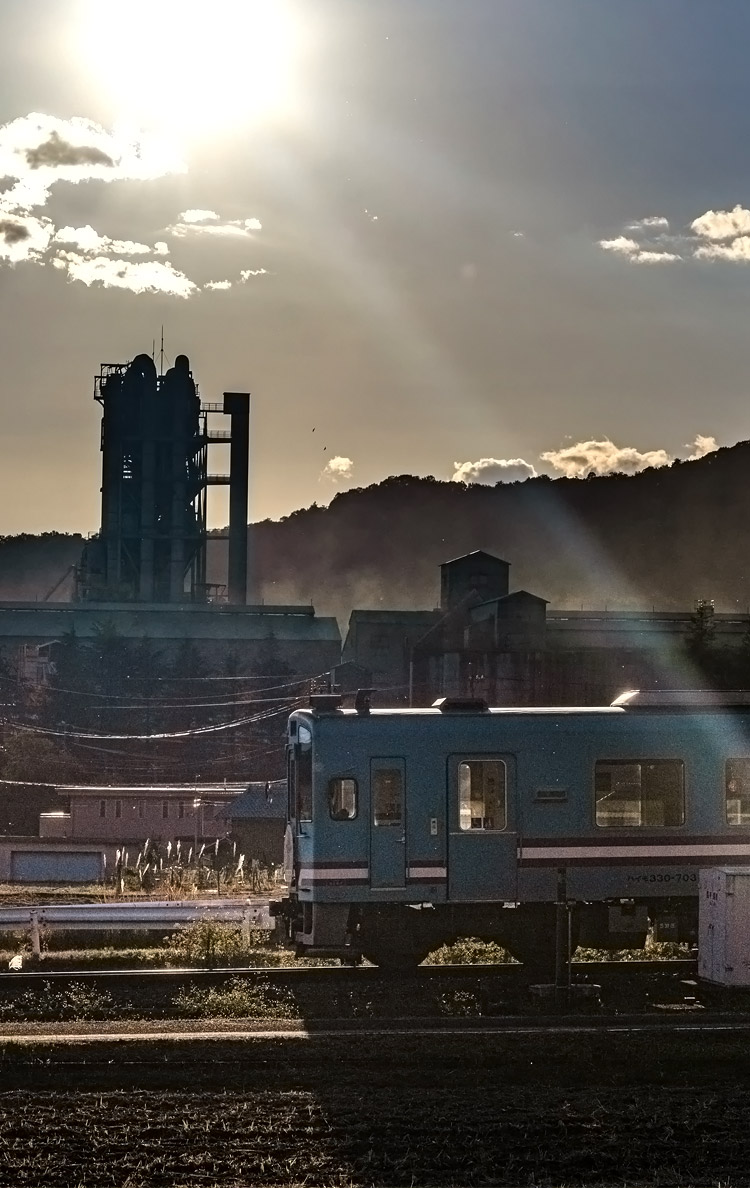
[(511, 648)]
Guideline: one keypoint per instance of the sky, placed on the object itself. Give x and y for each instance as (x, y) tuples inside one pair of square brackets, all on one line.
[(475, 239)]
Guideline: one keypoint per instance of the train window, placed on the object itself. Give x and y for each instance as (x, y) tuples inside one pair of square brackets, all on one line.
[(387, 796), (303, 770), (481, 794), (342, 799), (738, 791), (641, 793)]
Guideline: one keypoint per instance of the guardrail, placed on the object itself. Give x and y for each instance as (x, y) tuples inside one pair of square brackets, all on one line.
[(143, 915)]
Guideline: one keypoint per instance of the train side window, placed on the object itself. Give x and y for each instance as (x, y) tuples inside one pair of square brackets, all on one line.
[(387, 796), (639, 793), (342, 798), (737, 787), (481, 794)]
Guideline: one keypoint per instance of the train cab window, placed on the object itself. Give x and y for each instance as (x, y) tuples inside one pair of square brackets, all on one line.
[(481, 794), (738, 791), (342, 799), (303, 772), (387, 796), (639, 793)]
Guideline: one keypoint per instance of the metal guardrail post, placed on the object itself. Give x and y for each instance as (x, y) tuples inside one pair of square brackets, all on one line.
[(36, 942)]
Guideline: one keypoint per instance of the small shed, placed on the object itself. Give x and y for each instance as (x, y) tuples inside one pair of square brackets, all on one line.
[(257, 820)]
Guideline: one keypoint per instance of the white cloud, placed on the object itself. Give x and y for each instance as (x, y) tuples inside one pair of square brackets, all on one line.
[(493, 470), (603, 457), (738, 250), (242, 228), (338, 469), (246, 273), (622, 246), (648, 257), (652, 223), (225, 284), (635, 252), (142, 276), (722, 224), (23, 237), (37, 151), (196, 215), (702, 446), (89, 241), (714, 235)]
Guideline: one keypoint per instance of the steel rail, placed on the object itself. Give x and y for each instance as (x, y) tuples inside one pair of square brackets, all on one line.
[(330, 975)]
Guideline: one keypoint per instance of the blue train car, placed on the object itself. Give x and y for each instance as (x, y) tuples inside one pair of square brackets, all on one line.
[(410, 827)]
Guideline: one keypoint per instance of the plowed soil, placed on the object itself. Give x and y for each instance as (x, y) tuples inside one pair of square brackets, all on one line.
[(390, 1110)]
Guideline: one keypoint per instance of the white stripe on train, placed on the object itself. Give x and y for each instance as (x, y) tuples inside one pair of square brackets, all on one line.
[(572, 853)]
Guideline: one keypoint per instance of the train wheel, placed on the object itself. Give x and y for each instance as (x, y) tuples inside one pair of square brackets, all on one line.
[(394, 960), (532, 940)]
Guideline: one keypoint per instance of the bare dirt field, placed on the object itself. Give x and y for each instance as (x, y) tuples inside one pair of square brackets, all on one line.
[(387, 1110)]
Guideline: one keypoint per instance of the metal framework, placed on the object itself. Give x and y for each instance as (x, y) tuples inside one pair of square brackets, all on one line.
[(154, 441)]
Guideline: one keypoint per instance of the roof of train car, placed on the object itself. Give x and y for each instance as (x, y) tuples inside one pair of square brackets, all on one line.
[(648, 701)]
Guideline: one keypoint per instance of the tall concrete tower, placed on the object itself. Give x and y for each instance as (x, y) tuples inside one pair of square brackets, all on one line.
[(154, 441)]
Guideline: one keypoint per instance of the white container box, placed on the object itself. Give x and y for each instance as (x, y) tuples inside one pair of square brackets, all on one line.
[(724, 926)]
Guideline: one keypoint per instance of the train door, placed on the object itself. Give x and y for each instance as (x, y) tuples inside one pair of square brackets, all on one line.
[(482, 828), (387, 823)]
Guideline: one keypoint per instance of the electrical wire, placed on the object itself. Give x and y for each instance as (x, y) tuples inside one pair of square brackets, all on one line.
[(161, 736)]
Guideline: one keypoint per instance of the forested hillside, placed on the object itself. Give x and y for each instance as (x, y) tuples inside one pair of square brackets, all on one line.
[(664, 538)]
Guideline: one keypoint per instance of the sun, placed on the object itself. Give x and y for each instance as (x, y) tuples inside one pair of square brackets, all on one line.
[(193, 66)]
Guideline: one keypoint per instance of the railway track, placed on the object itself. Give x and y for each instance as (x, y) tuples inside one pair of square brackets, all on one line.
[(580, 972)]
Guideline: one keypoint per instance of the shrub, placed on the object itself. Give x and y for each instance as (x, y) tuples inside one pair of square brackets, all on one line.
[(208, 942), (238, 999), (468, 950), (76, 1002)]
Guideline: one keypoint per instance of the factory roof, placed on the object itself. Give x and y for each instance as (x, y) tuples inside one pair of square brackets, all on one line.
[(163, 621)]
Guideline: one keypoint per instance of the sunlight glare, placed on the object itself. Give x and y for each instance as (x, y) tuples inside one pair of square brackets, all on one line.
[(193, 67)]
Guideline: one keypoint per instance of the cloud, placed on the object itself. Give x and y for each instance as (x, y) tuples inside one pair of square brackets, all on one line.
[(23, 237), (246, 273), (621, 245), (653, 222), (242, 228), (37, 151), (722, 224), (493, 470), (56, 151), (737, 251), (338, 469), (142, 276), (89, 241), (647, 257), (603, 457), (225, 284), (196, 215), (714, 235), (702, 446), (635, 252)]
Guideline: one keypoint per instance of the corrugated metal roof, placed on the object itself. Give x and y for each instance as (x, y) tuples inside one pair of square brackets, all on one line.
[(167, 622)]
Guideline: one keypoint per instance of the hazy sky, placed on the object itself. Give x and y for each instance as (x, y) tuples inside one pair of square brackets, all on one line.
[(442, 234)]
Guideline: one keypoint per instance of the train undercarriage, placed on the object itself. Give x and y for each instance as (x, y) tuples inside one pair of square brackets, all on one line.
[(400, 936)]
